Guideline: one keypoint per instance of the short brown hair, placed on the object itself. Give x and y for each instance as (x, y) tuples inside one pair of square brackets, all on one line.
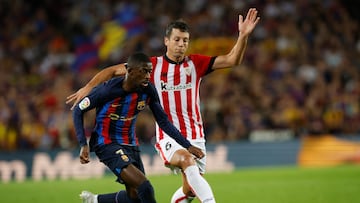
[(178, 24)]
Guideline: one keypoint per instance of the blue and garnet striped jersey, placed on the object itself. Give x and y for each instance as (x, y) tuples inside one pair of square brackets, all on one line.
[(116, 114)]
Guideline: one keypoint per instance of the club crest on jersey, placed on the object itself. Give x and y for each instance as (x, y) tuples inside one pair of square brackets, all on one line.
[(141, 105), (84, 103), (187, 70), (125, 158)]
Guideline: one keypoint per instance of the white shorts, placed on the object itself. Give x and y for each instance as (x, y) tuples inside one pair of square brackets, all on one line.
[(168, 146)]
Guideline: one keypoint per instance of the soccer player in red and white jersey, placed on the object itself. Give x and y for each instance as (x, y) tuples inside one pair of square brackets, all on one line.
[(177, 79)]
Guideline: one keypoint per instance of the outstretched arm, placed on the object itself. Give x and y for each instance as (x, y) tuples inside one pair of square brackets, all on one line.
[(102, 76), (235, 56)]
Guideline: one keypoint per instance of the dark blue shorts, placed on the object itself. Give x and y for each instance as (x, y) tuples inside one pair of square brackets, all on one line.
[(116, 157)]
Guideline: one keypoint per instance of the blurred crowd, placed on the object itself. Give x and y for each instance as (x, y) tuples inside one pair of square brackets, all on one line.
[(300, 71)]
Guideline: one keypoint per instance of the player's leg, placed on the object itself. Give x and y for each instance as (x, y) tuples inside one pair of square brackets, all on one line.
[(194, 181), (176, 156), (166, 149), (125, 162), (137, 184), (180, 197), (121, 196), (184, 193), (138, 188)]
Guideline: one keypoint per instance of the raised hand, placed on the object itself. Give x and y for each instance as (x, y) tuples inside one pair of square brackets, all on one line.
[(247, 26)]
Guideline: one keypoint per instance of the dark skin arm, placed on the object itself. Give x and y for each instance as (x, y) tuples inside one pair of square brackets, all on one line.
[(102, 76), (196, 151), (84, 154)]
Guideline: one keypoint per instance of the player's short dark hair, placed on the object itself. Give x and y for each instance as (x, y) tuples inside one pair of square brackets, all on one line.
[(178, 24), (137, 60)]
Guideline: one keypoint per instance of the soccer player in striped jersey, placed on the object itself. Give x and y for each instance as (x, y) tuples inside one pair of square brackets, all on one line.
[(118, 102), (177, 79)]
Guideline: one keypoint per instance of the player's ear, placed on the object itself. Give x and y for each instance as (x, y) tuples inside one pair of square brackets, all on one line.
[(166, 40), (129, 69)]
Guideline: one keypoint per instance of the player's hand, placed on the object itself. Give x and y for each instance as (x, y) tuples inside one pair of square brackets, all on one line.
[(247, 26), (196, 152), (85, 154), (77, 96)]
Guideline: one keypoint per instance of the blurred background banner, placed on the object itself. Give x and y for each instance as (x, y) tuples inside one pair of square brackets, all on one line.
[(309, 151), (328, 150), (49, 165)]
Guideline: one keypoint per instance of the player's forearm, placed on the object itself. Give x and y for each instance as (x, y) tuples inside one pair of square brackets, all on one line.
[(234, 57), (237, 53), (79, 126), (106, 74)]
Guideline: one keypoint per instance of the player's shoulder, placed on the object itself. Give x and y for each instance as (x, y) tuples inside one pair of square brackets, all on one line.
[(115, 80), (112, 83)]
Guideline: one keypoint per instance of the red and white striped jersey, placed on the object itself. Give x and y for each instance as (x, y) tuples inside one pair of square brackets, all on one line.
[(178, 87)]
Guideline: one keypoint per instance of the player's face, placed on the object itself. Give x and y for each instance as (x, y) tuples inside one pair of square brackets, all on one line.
[(177, 44), (141, 75)]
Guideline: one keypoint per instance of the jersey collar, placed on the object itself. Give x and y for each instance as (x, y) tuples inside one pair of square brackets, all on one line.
[(173, 62)]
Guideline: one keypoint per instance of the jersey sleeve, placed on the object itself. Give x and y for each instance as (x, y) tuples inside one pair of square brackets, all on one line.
[(96, 98), (203, 63), (163, 120)]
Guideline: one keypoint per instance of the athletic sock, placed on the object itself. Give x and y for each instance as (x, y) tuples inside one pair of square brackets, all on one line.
[(146, 192), (119, 197), (199, 185), (180, 197), (96, 199), (106, 198)]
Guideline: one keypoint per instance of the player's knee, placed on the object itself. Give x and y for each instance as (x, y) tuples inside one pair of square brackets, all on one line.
[(186, 161)]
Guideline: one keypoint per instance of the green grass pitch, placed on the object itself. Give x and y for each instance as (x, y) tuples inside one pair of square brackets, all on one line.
[(250, 185)]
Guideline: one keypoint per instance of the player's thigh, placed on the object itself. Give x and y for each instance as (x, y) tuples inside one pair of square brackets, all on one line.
[(183, 158), (174, 155), (167, 148), (132, 176), (120, 158)]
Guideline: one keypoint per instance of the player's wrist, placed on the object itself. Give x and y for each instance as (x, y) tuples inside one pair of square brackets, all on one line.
[(242, 35)]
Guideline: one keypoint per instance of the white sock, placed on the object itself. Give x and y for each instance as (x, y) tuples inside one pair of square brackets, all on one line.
[(95, 198), (180, 197), (199, 185)]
